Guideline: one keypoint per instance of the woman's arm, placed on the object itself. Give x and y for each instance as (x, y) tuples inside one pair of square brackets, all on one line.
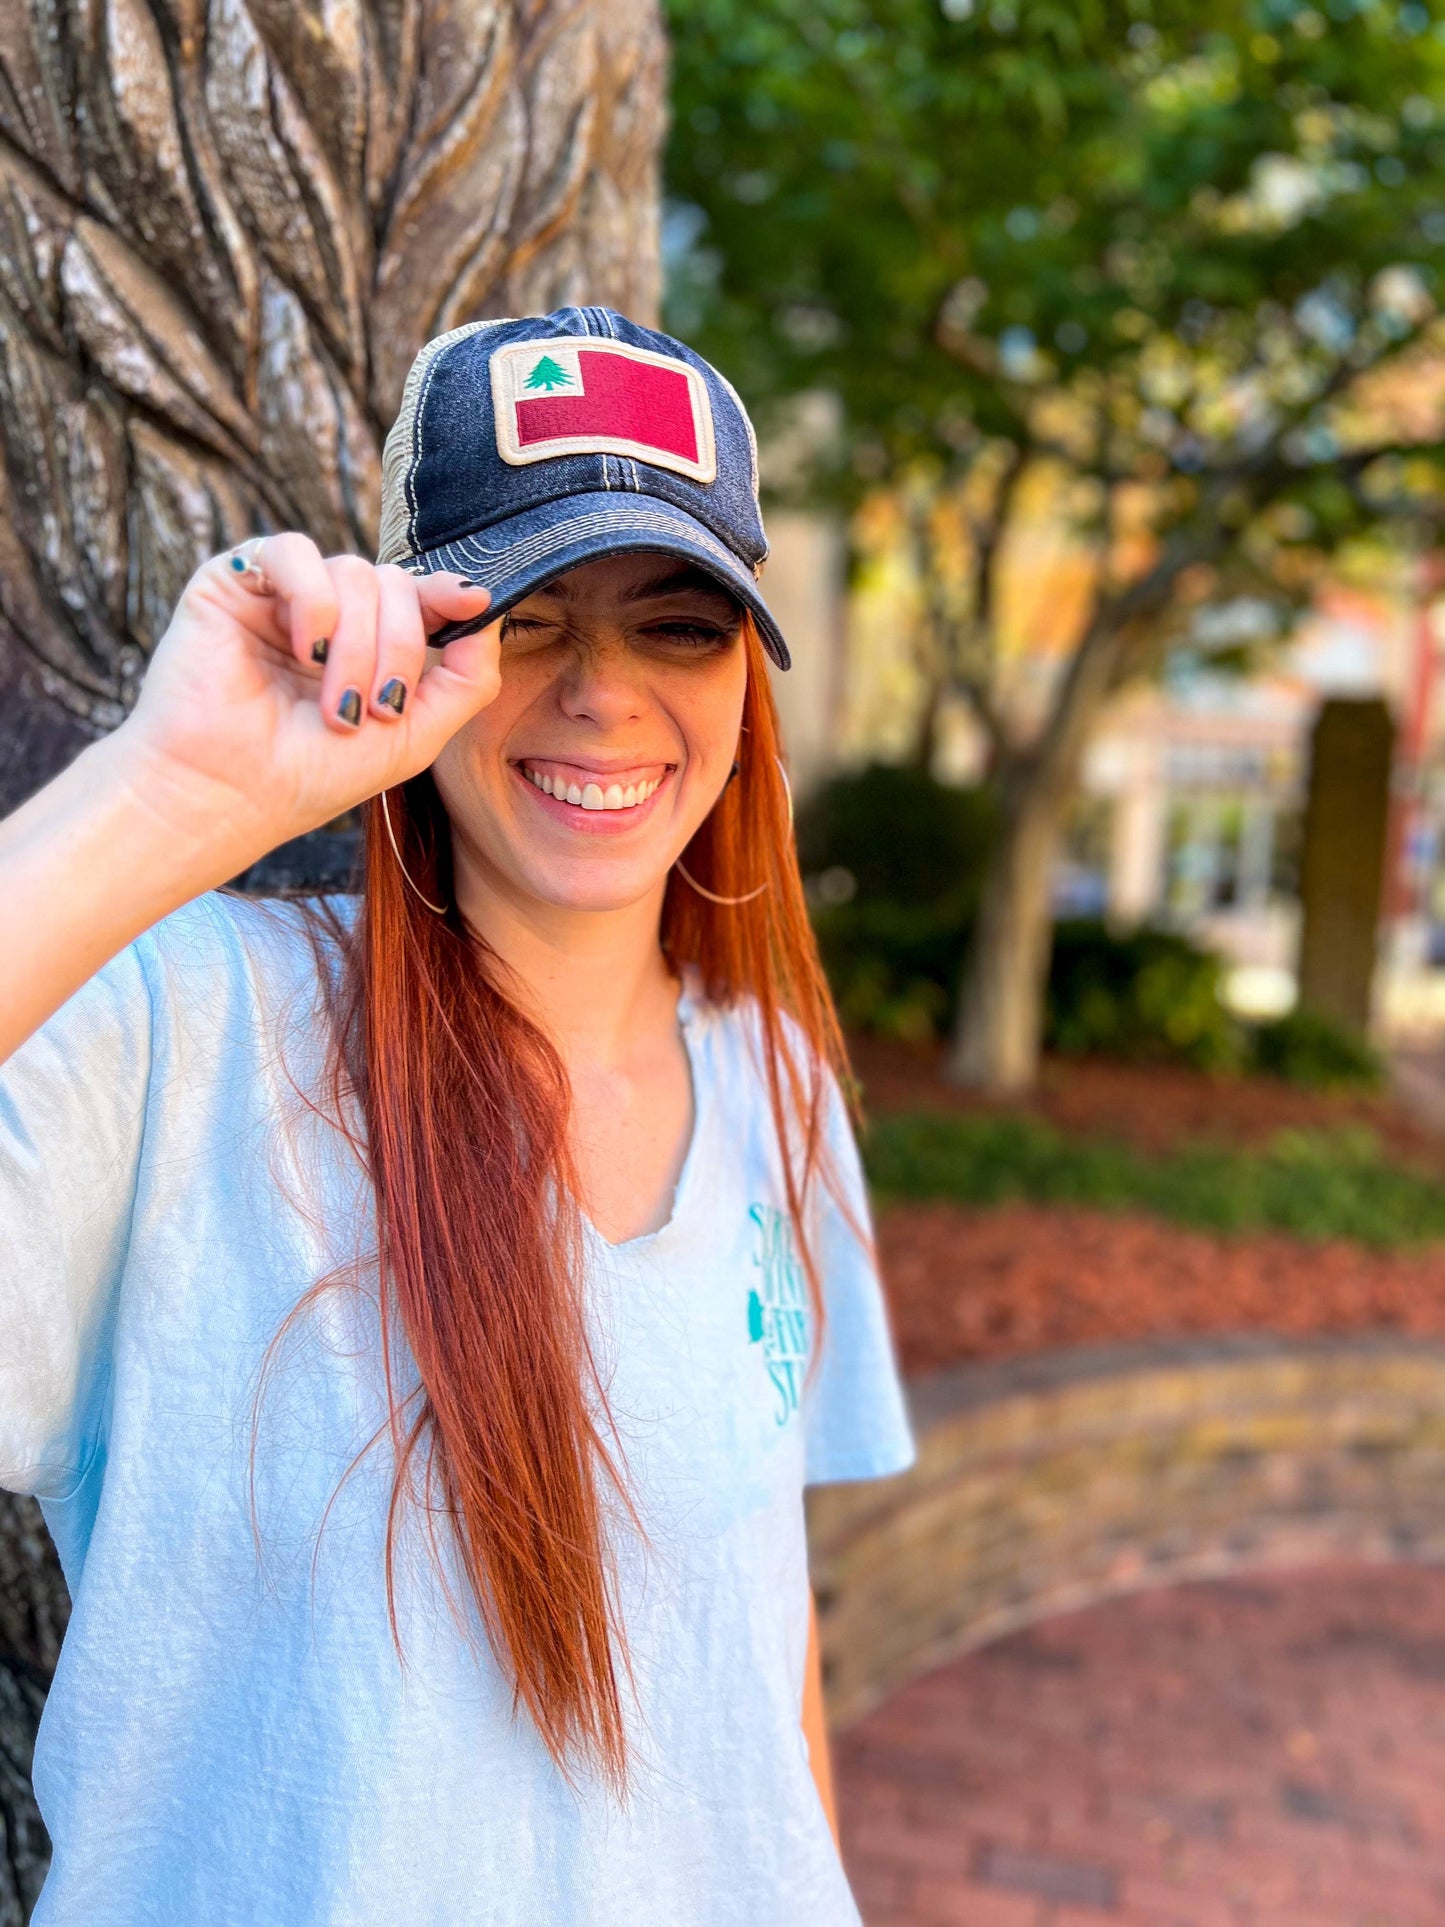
[(815, 1724), (260, 718), (85, 866)]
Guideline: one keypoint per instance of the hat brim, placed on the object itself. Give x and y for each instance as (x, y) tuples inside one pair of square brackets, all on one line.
[(514, 557)]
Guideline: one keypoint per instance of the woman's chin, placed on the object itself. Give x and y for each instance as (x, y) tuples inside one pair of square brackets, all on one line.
[(598, 881)]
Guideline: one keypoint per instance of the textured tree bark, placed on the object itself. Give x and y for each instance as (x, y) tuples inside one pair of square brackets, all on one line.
[(226, 226), (34, 1608)]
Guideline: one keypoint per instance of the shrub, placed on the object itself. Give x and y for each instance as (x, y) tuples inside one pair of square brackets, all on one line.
[(1148, 995), (893, 860), (1317, 1053), (903, 836), (1314, 1184)]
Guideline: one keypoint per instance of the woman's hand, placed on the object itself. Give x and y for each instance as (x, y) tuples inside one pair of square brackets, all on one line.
[(262, 717), (243, 736)]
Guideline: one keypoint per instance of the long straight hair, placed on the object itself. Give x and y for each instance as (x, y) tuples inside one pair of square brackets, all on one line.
[(466, 1107)]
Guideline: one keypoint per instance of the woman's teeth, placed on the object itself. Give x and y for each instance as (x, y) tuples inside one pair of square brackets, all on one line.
[(592, 796)]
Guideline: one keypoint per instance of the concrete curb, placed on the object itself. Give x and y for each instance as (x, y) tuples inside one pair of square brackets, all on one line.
[(1053, 1482)]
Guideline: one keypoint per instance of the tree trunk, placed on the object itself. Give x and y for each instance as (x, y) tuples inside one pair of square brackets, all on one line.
[(225, 229), (34, 1608), (1000, 1020), (925, 742), (999, 1028)]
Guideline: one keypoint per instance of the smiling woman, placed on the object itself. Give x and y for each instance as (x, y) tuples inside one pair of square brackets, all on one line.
[(529, 1166), (629, 643)]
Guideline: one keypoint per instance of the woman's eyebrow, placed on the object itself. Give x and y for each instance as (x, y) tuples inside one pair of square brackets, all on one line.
[(676, 582)]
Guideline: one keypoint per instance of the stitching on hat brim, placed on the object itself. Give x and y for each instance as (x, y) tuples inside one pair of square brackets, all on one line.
[(601, 522), (501, 569)]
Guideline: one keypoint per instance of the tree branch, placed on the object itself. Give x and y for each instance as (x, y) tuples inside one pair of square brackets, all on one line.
[(1092, 670), (990, 540), (962, 640), (990, 718)]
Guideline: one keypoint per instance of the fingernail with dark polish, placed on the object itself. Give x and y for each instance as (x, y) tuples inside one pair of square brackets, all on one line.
[(321, 648), (466, 582), (393, 694), (349, 708)]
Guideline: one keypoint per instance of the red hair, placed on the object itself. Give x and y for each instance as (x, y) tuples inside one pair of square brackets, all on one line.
[(466, 1106)]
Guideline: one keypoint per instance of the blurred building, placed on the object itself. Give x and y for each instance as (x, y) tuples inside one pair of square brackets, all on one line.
[(1194, 786), (805, 582), (1195, 790)]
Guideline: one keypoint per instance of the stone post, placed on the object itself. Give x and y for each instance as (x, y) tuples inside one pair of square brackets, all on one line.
[(1342, 861)]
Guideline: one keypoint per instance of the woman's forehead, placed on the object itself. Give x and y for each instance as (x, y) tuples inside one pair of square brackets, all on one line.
[(633, 579)]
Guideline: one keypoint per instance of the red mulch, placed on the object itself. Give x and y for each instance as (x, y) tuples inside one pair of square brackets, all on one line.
[(1152, 1106), (1021, 1278), (994, 1283)]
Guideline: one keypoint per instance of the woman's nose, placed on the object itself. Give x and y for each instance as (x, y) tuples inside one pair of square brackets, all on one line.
[(601, 684)]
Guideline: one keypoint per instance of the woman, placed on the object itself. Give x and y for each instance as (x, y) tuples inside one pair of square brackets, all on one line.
[(419, 1320)]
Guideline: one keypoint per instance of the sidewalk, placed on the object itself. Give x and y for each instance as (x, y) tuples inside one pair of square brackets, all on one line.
[(1261, 1753), (1417, 1079)]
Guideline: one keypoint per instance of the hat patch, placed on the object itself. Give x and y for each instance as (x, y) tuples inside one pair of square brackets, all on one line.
[(552, 398)]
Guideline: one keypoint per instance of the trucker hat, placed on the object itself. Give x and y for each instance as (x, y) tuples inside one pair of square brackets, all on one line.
[(525, 447)]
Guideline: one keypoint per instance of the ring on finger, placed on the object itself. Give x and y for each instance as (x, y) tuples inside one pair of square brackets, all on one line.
[(247, 570)]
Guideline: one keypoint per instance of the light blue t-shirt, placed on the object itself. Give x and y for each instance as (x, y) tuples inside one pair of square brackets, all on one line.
[(231, 1738)]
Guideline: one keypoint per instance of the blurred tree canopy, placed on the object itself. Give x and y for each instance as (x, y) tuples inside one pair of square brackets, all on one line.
[(1181, 260)]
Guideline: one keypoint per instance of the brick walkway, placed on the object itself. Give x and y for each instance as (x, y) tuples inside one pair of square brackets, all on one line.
[(1261, 1753)]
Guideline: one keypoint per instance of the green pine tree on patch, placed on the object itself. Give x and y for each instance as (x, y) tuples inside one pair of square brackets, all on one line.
[(547, 374)]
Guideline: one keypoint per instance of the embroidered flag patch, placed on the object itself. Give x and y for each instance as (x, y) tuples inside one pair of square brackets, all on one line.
[(591, 397)]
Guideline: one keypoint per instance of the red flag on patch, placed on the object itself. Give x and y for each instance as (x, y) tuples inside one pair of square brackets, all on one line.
[(554, 398)]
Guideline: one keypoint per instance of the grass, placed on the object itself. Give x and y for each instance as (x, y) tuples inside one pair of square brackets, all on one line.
[(1315, 1184)]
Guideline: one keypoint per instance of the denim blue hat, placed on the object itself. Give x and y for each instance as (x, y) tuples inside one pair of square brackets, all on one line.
[(523, 448)]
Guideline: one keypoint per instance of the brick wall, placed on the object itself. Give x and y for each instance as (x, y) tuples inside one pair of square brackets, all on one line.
[(1052, 1482)]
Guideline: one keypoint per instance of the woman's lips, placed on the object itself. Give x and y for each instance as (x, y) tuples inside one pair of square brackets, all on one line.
[(590, 788), (591, 800)]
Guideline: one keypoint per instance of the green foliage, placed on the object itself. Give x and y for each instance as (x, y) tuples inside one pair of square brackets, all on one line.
[(1313, 1184), (1148, 995), (1194, 221), (1152, 995), (892, 968), (1150, 254), (900, 856), (893, 861), (904, 836), (1316, 1053)]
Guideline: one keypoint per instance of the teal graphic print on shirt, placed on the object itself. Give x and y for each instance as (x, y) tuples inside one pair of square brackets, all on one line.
[(778, 1309)]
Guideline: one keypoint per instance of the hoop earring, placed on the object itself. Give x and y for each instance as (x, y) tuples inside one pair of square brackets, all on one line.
[(712, 895), (787, 787), (437, 908)]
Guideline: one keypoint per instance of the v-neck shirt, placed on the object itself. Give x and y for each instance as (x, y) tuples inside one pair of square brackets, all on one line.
[(233, 1738)]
